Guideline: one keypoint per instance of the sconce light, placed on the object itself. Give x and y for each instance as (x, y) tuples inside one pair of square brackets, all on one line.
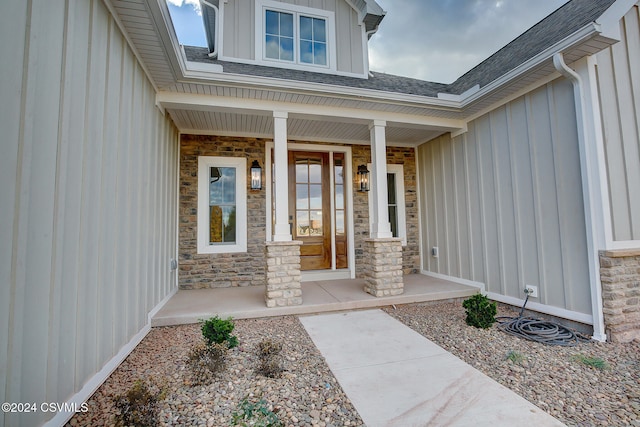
[(256, 176), (363, 178), (215, 175)]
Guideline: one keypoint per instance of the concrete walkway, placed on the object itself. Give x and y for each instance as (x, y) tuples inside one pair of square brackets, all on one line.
[(396, 377)]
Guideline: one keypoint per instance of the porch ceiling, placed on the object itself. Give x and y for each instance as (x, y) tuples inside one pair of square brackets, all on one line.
[(299, 127)]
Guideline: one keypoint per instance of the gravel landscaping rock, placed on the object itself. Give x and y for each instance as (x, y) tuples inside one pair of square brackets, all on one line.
[(551, 377), (307, 394)]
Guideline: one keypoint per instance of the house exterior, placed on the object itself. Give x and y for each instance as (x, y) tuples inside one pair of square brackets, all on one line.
[(127, 168)]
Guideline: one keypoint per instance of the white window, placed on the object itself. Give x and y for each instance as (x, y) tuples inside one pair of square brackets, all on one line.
[(395, 202), (222, 204), (296, 36)]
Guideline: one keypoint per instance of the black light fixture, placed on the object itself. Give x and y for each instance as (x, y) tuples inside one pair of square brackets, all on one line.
[(215, 175), (363, 178), (256, 176)]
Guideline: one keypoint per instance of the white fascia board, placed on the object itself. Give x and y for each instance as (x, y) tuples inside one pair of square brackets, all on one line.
[(202, 67), (584, 33), (459, 98), (203, 102), (256, 82), (609, 21), (160, 6)]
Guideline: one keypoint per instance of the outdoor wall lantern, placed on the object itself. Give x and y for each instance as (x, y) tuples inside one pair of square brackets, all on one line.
[(256, 176), (215, 175), (363, 178)]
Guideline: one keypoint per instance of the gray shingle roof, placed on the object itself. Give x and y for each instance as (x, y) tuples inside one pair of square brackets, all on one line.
[(379, 81), (566, 20)]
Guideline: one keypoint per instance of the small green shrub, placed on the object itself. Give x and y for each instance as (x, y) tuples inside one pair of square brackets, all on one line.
[(140, 405), (255, 414), (207, 361), (515, 357), (481, 312), (216, 330), (269, 354), (594, 362)]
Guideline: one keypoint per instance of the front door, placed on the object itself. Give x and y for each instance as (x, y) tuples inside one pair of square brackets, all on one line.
[(310, 207)]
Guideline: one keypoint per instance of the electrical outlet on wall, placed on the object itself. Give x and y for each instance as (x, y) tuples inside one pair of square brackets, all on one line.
[(532, 291), (434, 252)]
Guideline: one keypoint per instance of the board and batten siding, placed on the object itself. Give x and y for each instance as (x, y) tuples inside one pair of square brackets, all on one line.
[(239, 31), (618, 76), (88, 167), (503, 202)]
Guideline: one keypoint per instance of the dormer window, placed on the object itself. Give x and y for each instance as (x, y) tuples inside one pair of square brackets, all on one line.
[(294, 36)]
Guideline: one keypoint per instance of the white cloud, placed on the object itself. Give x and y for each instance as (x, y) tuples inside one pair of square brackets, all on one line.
[(439, 40), (194, 3)]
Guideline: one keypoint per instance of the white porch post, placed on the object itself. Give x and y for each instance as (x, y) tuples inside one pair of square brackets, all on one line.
[(380, 228), (281, 232)]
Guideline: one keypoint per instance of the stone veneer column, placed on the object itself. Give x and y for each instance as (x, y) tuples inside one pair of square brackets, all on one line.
[(620, 278), (283, 274), (383, 273)]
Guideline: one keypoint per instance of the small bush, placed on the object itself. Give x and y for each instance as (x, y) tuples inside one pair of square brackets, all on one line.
[(207, 361), (481, 312), (269, 353), (255, 414), (139, 406), (594, 362), (515, 357), (216, 330)]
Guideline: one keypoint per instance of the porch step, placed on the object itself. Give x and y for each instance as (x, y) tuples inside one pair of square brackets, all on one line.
[(190, 306)]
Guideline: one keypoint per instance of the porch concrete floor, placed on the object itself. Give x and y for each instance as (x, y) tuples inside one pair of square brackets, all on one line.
[(190, 306)]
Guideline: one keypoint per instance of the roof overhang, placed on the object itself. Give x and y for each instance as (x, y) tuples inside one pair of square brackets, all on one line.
[(147, 26)]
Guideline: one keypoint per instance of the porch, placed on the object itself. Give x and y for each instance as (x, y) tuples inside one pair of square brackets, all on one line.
[(189, 306)]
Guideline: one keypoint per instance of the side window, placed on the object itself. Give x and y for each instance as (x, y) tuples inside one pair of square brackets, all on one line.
[(222, 216), (395, 201)]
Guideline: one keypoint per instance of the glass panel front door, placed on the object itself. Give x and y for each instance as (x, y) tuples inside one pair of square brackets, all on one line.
[(310, 208)]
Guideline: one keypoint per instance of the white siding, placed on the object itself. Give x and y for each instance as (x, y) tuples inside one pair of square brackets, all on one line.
[(88, 212), (619, 89), (503, 202), (239, 31)]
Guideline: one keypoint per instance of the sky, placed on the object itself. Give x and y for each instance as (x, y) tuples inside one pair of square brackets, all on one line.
[(433, 40)]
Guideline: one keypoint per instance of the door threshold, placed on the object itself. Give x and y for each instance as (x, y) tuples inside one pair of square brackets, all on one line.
[(316, 275)]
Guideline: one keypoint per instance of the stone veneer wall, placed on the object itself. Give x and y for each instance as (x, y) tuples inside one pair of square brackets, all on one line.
[(383, 267), (219, 270), (361, 154), (226, 270), (620, 277)]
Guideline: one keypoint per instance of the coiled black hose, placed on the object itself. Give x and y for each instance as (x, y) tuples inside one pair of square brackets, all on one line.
[(538, 330)]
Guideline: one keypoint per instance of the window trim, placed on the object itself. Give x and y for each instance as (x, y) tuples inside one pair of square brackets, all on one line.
[(398, 171), (204, 165), (261, 6)]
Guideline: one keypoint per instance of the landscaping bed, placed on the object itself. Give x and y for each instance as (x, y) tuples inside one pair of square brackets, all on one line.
[(591, 384)]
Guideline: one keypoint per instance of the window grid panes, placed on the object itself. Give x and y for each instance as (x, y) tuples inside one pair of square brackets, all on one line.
[(309, 197), (281, 35), (313, 41), (338, 170), (222, 205), (393, 203)]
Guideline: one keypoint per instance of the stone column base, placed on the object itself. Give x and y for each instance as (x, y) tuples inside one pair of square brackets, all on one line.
[(620, 278), (383, 273), (283, 274)]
